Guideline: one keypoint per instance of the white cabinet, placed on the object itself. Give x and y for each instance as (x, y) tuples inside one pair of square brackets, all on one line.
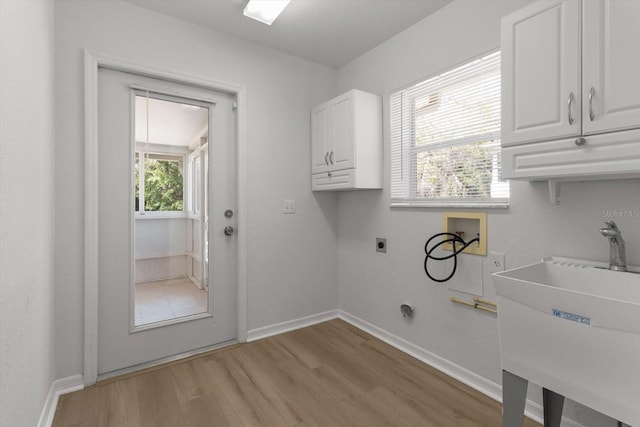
[(332, 134), (571, 90), (541, 72), (611, 66), (346, 143)]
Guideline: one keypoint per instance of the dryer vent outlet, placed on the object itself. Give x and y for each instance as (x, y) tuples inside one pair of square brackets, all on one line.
[(407, 311)]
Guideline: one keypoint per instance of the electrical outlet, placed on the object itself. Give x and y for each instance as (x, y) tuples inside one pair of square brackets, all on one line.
[(381, 245), (289, 207), (495, 262)]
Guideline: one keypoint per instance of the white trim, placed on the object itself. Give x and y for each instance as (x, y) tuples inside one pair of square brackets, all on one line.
[(461, 374), (172, 96), (160, 215), (90, 218), (243, 224), (57, 389), (161, 255), (495, 203), (475, 381), (92, 61), (291, 325)]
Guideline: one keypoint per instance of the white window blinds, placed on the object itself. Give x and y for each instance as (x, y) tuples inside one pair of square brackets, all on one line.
[(445, 139)]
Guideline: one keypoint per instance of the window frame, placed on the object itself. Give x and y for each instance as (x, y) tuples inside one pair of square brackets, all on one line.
[(170, 151), (196, 181), (406, 158)]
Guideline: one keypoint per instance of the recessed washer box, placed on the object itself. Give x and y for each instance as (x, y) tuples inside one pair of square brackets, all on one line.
[(467, 225)]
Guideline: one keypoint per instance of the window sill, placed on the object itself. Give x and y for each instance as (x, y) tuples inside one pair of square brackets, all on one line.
[(161, 215), (480, 204)]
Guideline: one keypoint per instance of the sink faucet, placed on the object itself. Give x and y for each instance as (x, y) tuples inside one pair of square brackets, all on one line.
[(617, 254)]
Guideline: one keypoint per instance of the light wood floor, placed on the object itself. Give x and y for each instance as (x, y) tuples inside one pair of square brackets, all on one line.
[(331, 374)]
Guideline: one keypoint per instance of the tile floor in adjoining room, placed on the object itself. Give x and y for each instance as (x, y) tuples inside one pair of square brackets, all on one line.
[(168, 299)]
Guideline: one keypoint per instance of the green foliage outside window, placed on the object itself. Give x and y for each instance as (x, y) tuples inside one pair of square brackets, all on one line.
[(163, 185), (455, 172)]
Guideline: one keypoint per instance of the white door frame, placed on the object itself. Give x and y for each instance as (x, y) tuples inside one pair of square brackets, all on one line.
[(93, 61)]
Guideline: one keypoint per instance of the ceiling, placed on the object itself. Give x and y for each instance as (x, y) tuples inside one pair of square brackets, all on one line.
[(329, 32), (169, 123)]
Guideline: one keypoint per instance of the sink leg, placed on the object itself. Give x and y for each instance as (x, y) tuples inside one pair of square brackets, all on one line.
[(514, 396), (552, 403)]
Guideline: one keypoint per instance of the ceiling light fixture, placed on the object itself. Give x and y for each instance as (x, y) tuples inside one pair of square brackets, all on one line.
[(265, 11)]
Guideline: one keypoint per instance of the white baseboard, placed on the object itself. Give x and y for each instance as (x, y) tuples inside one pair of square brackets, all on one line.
[(481, 384), (57, 389), (290, 325)]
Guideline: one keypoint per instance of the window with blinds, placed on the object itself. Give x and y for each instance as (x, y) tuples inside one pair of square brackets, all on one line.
[(445, 139)]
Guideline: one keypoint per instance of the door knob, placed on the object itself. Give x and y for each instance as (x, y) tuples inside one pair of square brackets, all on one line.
[(228, 230)]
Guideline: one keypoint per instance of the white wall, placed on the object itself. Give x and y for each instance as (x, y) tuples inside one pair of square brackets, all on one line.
[(158, 243), (372, 285), (292, 258), (26, 210)]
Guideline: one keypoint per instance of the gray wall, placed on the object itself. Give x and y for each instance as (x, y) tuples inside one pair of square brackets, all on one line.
[(372, 285), (281, 90), (26, 210)]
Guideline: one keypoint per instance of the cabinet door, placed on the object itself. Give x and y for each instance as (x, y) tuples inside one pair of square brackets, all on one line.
[(541, 94), (611, 65), (320, 138), (342, 153)]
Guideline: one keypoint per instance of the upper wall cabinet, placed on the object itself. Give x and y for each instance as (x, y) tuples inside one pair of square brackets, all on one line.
[(611, 66), (571, 90), (541, 72), (346, 143)]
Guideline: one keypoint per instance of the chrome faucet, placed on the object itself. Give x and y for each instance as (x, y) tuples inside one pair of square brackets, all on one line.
[(617, 254)]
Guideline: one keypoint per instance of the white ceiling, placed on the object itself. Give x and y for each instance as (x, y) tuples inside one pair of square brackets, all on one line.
[(170, 123), (329, 32)]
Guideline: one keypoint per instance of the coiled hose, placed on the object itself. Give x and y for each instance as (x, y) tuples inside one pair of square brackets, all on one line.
[(454, 238)]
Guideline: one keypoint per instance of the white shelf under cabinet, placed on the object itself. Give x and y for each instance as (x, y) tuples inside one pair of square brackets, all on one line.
[(603, 156), (346, 143)]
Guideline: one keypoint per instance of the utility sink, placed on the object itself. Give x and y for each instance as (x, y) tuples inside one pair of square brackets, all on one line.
[(573, 327)]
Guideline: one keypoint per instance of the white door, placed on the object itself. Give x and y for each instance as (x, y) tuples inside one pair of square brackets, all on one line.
[(541, 72), (320, 139), (611, 58), (342, 151), (157, 235)]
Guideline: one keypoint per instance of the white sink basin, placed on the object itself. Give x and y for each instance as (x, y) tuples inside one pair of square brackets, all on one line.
[(573, 327)]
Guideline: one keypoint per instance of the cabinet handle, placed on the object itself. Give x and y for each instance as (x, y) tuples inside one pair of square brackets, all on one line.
[(331, 157), (325, 158), (580, 141), (569, 104), (591, 92)]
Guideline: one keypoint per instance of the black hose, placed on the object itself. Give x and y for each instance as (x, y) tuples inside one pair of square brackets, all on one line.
[(453, 240)]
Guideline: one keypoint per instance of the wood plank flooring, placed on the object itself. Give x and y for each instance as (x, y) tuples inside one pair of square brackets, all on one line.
[(331, 374)]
